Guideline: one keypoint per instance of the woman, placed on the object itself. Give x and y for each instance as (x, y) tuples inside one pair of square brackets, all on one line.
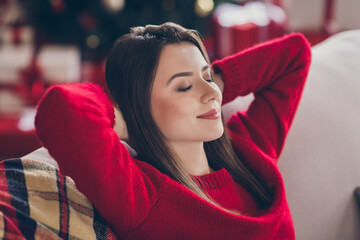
[(187, 181)]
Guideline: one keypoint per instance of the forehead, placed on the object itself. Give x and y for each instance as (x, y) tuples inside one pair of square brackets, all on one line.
[(179, 57)]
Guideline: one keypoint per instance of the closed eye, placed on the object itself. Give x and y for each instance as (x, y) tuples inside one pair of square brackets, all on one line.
[(210, 78), (184, 89)]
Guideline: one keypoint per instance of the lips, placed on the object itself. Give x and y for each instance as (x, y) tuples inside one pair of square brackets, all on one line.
[(212, 114)]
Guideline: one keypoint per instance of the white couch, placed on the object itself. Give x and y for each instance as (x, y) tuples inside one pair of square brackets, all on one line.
[(321, 158), (320, 162)]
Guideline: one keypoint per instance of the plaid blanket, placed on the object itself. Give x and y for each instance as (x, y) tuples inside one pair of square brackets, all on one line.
[(37, 202)]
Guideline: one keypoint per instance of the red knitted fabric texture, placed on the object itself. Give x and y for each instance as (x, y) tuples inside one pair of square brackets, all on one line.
[(75, 122)]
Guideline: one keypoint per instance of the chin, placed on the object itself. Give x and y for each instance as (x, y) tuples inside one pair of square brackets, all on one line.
[(212, 139), (215, 135)]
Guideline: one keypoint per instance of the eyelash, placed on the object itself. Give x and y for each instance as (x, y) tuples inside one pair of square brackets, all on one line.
[(184, 89), (189, 87)]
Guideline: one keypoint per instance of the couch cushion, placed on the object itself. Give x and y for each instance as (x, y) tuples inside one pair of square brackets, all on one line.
[(321, 158), (38, 202)]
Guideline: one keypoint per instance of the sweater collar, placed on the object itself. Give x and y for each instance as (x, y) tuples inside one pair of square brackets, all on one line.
[(213, 180)]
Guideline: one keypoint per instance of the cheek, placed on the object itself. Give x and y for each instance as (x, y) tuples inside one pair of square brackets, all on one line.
[(170, 115)]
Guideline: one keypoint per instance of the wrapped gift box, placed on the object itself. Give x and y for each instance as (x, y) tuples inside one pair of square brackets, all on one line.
[(16, 52), (14, 59), (59, 64), (17, 35), (24, 76), (11, 103), (236, 27)]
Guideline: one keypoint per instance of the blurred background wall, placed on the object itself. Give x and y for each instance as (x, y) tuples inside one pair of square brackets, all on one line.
[(309, 14), (46, 42)]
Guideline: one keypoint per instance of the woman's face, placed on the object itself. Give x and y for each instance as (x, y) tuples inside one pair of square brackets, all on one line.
[(182, 93)]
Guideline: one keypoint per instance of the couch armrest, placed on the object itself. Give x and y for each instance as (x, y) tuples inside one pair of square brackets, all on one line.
[(321, 158)]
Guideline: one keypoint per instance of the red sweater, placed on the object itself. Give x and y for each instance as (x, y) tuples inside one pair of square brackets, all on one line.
[(75, 123)]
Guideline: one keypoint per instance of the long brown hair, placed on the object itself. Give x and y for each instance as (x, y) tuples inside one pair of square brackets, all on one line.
[(130, 73)]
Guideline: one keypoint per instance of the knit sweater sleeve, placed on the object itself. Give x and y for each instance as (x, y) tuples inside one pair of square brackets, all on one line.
[(75, 123), (275, 72)]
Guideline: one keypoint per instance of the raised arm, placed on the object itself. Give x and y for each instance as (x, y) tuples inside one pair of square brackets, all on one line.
[(75, 123), (275, 72)]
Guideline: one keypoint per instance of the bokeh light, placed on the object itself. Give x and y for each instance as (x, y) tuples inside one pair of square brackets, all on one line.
[(93, 41), (204, 7), (114, 5)]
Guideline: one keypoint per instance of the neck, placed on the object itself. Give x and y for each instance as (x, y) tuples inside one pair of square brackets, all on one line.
[(192, 156)]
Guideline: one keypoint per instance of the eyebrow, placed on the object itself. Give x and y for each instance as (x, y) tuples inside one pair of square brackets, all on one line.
[(186, 74)]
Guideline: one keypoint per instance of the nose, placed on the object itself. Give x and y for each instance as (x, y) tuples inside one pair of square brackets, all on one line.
[(209, 92)]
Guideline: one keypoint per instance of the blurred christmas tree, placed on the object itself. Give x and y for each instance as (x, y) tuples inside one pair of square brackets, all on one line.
[(93, 25)]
